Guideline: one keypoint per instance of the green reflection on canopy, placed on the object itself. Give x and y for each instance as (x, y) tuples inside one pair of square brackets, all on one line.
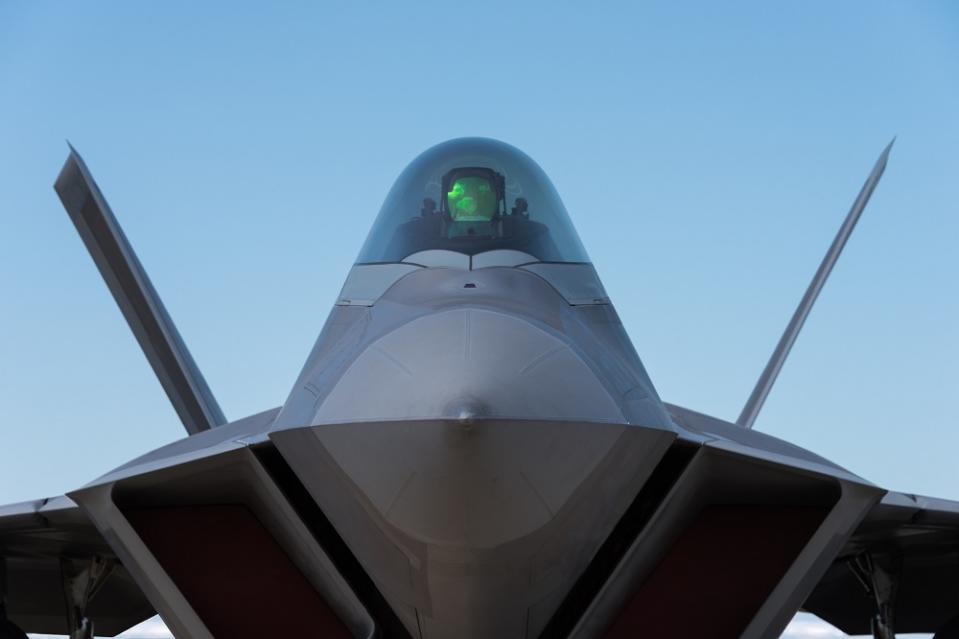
[(471, 199)]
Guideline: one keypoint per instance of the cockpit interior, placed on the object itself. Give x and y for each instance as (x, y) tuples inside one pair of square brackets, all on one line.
[(469, 204), (472, 196)]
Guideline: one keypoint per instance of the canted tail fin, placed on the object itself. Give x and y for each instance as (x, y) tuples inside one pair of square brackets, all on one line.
[(136, 297), (768, 377)]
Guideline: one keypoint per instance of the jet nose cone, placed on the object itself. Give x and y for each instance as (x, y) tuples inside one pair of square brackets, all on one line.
[(473, 463), (465, 363)]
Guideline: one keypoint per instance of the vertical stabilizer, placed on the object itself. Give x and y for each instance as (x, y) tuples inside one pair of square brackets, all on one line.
[(136, 297), (768, 378)]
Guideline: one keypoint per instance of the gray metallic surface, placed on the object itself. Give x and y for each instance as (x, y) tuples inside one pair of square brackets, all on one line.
[(717, 430), (501, 257), (136, 297), (438, 258), (441, 341), (468, 362), (366, 283), (756, 399), (201, 444), (473, 528), (577, 283)]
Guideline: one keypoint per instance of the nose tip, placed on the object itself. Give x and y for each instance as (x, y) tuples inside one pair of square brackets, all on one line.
[(468, 363), (466, 412)]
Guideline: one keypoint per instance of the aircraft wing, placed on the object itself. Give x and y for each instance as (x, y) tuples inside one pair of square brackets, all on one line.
[(48, 540), (914, 541)]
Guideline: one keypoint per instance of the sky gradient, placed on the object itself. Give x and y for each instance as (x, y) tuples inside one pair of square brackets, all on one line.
[(707, 156)]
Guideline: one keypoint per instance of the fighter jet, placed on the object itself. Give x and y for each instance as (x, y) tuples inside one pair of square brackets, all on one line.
[(472, 450)]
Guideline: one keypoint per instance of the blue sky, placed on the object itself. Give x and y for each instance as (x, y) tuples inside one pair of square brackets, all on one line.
[(707, 155)]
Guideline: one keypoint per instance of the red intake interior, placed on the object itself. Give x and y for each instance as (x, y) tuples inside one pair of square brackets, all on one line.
[(718, 573), (234, 574)]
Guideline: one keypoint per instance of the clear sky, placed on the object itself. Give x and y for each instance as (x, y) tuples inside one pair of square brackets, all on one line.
[(707, 154)]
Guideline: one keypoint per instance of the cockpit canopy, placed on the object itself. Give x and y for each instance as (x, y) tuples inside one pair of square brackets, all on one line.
[(473, 195)]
